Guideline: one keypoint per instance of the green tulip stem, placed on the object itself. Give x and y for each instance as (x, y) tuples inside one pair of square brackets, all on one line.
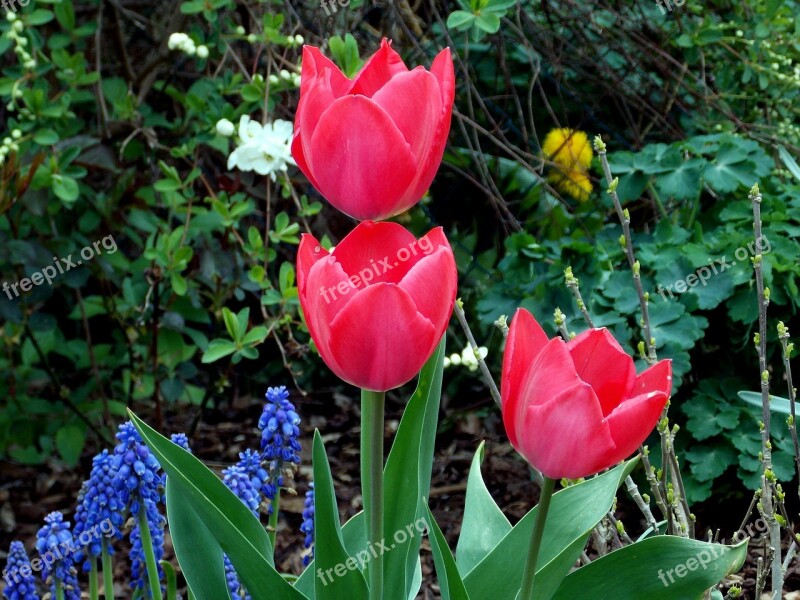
[(548, 485), (372, 404), (149, 555), (93, 581), (108, 573)]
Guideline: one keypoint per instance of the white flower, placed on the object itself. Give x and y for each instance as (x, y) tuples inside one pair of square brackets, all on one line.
[(225, 128), (182, 42), (265, 149), (202, 52)]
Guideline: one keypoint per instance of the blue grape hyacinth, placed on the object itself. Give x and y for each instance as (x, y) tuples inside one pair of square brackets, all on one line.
[(250, 461), (99, 515), (246, 489), (139, 483), (56, 547), (279, 428), (137, 470), (20, 583), (181, 440), (308, 526)]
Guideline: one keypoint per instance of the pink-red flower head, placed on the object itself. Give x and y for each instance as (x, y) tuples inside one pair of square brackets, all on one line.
[(377, 306), (372, 144), (575, 408)]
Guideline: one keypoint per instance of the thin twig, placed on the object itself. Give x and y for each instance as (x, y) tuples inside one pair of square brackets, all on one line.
[(767, 476)]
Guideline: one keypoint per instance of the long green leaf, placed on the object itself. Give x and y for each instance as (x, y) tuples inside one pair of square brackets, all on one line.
[(450, 582), (407, 480), (339, 577), (240, 535), (484, 524), (198, 552), (573, 513), (776, 403), (659, 568), (355, 539)]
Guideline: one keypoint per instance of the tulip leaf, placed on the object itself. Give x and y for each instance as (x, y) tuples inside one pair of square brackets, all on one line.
[(573, 514), (776, 403), (339, 575), (238, 532), (355, 539), (199, 554), (484, 524), (450, 582), (664, 567), (407, 479)]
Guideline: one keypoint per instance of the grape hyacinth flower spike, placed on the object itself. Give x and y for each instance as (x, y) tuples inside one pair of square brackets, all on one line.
[(279, 444), (20, 583), (308, 526), (246, 488), (56, 547), (139, 483)]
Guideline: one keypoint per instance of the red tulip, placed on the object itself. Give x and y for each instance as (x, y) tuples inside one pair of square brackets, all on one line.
[(377, 306), (371, 145), (575, 408)]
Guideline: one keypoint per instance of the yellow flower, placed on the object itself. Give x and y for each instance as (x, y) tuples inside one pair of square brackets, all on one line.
[(571, 154)]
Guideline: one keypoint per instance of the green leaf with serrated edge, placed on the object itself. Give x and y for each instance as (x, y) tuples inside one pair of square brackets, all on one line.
[(238, 532), (341, 578), (198, 552), (355, 539), (776, 403), (450, 582), (484, 524), (664, 567), (407, 476), (573, 514)]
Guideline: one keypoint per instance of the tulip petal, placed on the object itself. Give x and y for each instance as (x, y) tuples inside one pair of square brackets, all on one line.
[(315, 64), (380, 339), (632, 421), (428, 164), (657, 378), (378, 70), (413, 101), (319, 98), (373, 251), (526, 339), (361, 161), (309, 252), (602, 363), (567, 437), (432, 284), (442, 69)]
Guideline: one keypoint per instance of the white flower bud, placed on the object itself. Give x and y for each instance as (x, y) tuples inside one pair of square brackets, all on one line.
[(299, 39), (202, 52), (240, 30), (252, 38), (18, 26), (225, 128), (285, 74), (10, 16), (16, 134)]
